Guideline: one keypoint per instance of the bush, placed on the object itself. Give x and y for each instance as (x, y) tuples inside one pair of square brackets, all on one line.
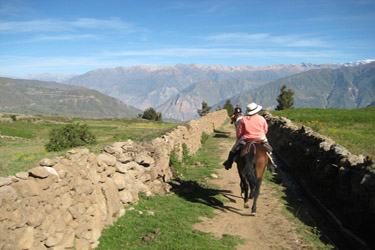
[(69, 136)]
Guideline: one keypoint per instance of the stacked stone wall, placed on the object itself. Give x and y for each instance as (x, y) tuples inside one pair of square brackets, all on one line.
[(65, 202), (343, 182)]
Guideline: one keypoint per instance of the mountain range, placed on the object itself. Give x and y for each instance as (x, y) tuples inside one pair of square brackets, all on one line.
[(166, 88), (346, 88), (178, 91), (51, 98)]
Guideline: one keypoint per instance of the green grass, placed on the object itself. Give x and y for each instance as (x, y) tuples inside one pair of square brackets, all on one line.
[(354, 129), (163, 222), (23, 154), (166, 222)]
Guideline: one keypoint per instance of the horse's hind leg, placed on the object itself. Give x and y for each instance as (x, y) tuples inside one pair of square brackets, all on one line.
[(245, 192), (256, 194), (252, 191)]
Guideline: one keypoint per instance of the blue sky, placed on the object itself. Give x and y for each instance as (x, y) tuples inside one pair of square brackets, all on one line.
[(65, 36)]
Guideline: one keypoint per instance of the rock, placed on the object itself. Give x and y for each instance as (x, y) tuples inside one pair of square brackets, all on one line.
[(113, 150), (123, 168), (113, 200), (26, 188), (46, 162), (36, 218), (7, 192), (125, 157), (82, 244), (54, 239), (214, 176), (5, 181), (68, 240), (25, 237), (125, 196), (128, 146), (22, 175), (110, 160), (43, 172), (119, 180), (144, 160)]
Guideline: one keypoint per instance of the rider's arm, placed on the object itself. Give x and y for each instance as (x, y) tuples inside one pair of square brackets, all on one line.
[(240, 129)]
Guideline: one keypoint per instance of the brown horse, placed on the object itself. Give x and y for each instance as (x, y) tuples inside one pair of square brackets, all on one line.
[(251, 163)]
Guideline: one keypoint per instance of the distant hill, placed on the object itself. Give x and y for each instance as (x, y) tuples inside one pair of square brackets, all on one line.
[(147, 86), (346, 88), (51, 98), (185, 104), (48, 77)]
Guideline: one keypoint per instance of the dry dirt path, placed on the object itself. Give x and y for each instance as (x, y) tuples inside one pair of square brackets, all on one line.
[(269, 229)]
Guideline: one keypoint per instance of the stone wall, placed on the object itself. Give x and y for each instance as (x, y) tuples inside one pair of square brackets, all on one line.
[(67, 201), (344, 183)]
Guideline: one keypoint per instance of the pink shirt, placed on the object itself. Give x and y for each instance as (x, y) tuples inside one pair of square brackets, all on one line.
[(252, 128)]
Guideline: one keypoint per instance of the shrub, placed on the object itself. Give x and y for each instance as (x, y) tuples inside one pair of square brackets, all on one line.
[(69, 136)]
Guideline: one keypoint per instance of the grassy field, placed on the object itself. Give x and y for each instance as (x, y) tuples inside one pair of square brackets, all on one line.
[(354, 129), (32, 134)]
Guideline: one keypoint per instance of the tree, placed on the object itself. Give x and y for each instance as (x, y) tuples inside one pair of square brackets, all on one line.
[(285, 99), (229, 107), (151, 114), (205, 109)]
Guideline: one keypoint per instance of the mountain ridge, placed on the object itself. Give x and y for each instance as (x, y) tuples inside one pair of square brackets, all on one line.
[(152, 86), (51, 98), (347, 88), (178, 91)]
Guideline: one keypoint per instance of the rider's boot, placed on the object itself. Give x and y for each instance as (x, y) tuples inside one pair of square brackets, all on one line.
[(228, 163)]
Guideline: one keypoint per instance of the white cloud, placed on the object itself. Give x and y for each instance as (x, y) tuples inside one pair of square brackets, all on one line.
[(266, 39), (53, 25), (64, 37), (224, 52)]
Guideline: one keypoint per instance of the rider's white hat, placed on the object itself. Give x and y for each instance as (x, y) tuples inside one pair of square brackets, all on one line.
[(253, 108)]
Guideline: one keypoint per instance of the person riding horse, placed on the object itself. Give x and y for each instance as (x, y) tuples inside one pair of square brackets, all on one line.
[(251, 127), (237, 116)]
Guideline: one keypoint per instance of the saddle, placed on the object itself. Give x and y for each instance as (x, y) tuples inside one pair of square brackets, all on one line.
[(248, 144)]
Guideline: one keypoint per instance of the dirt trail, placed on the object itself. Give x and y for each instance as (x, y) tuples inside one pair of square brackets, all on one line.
[(269, 229)]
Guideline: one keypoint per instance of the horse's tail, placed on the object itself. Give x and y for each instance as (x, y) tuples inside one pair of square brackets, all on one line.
[(249, 166)]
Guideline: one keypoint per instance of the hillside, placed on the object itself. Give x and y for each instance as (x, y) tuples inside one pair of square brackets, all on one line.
[(50, 98), (346, 88), (147, 86), (184, 105)]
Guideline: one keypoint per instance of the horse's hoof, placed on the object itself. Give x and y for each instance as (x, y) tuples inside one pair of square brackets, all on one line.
[(253, 214), (246, 205)]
